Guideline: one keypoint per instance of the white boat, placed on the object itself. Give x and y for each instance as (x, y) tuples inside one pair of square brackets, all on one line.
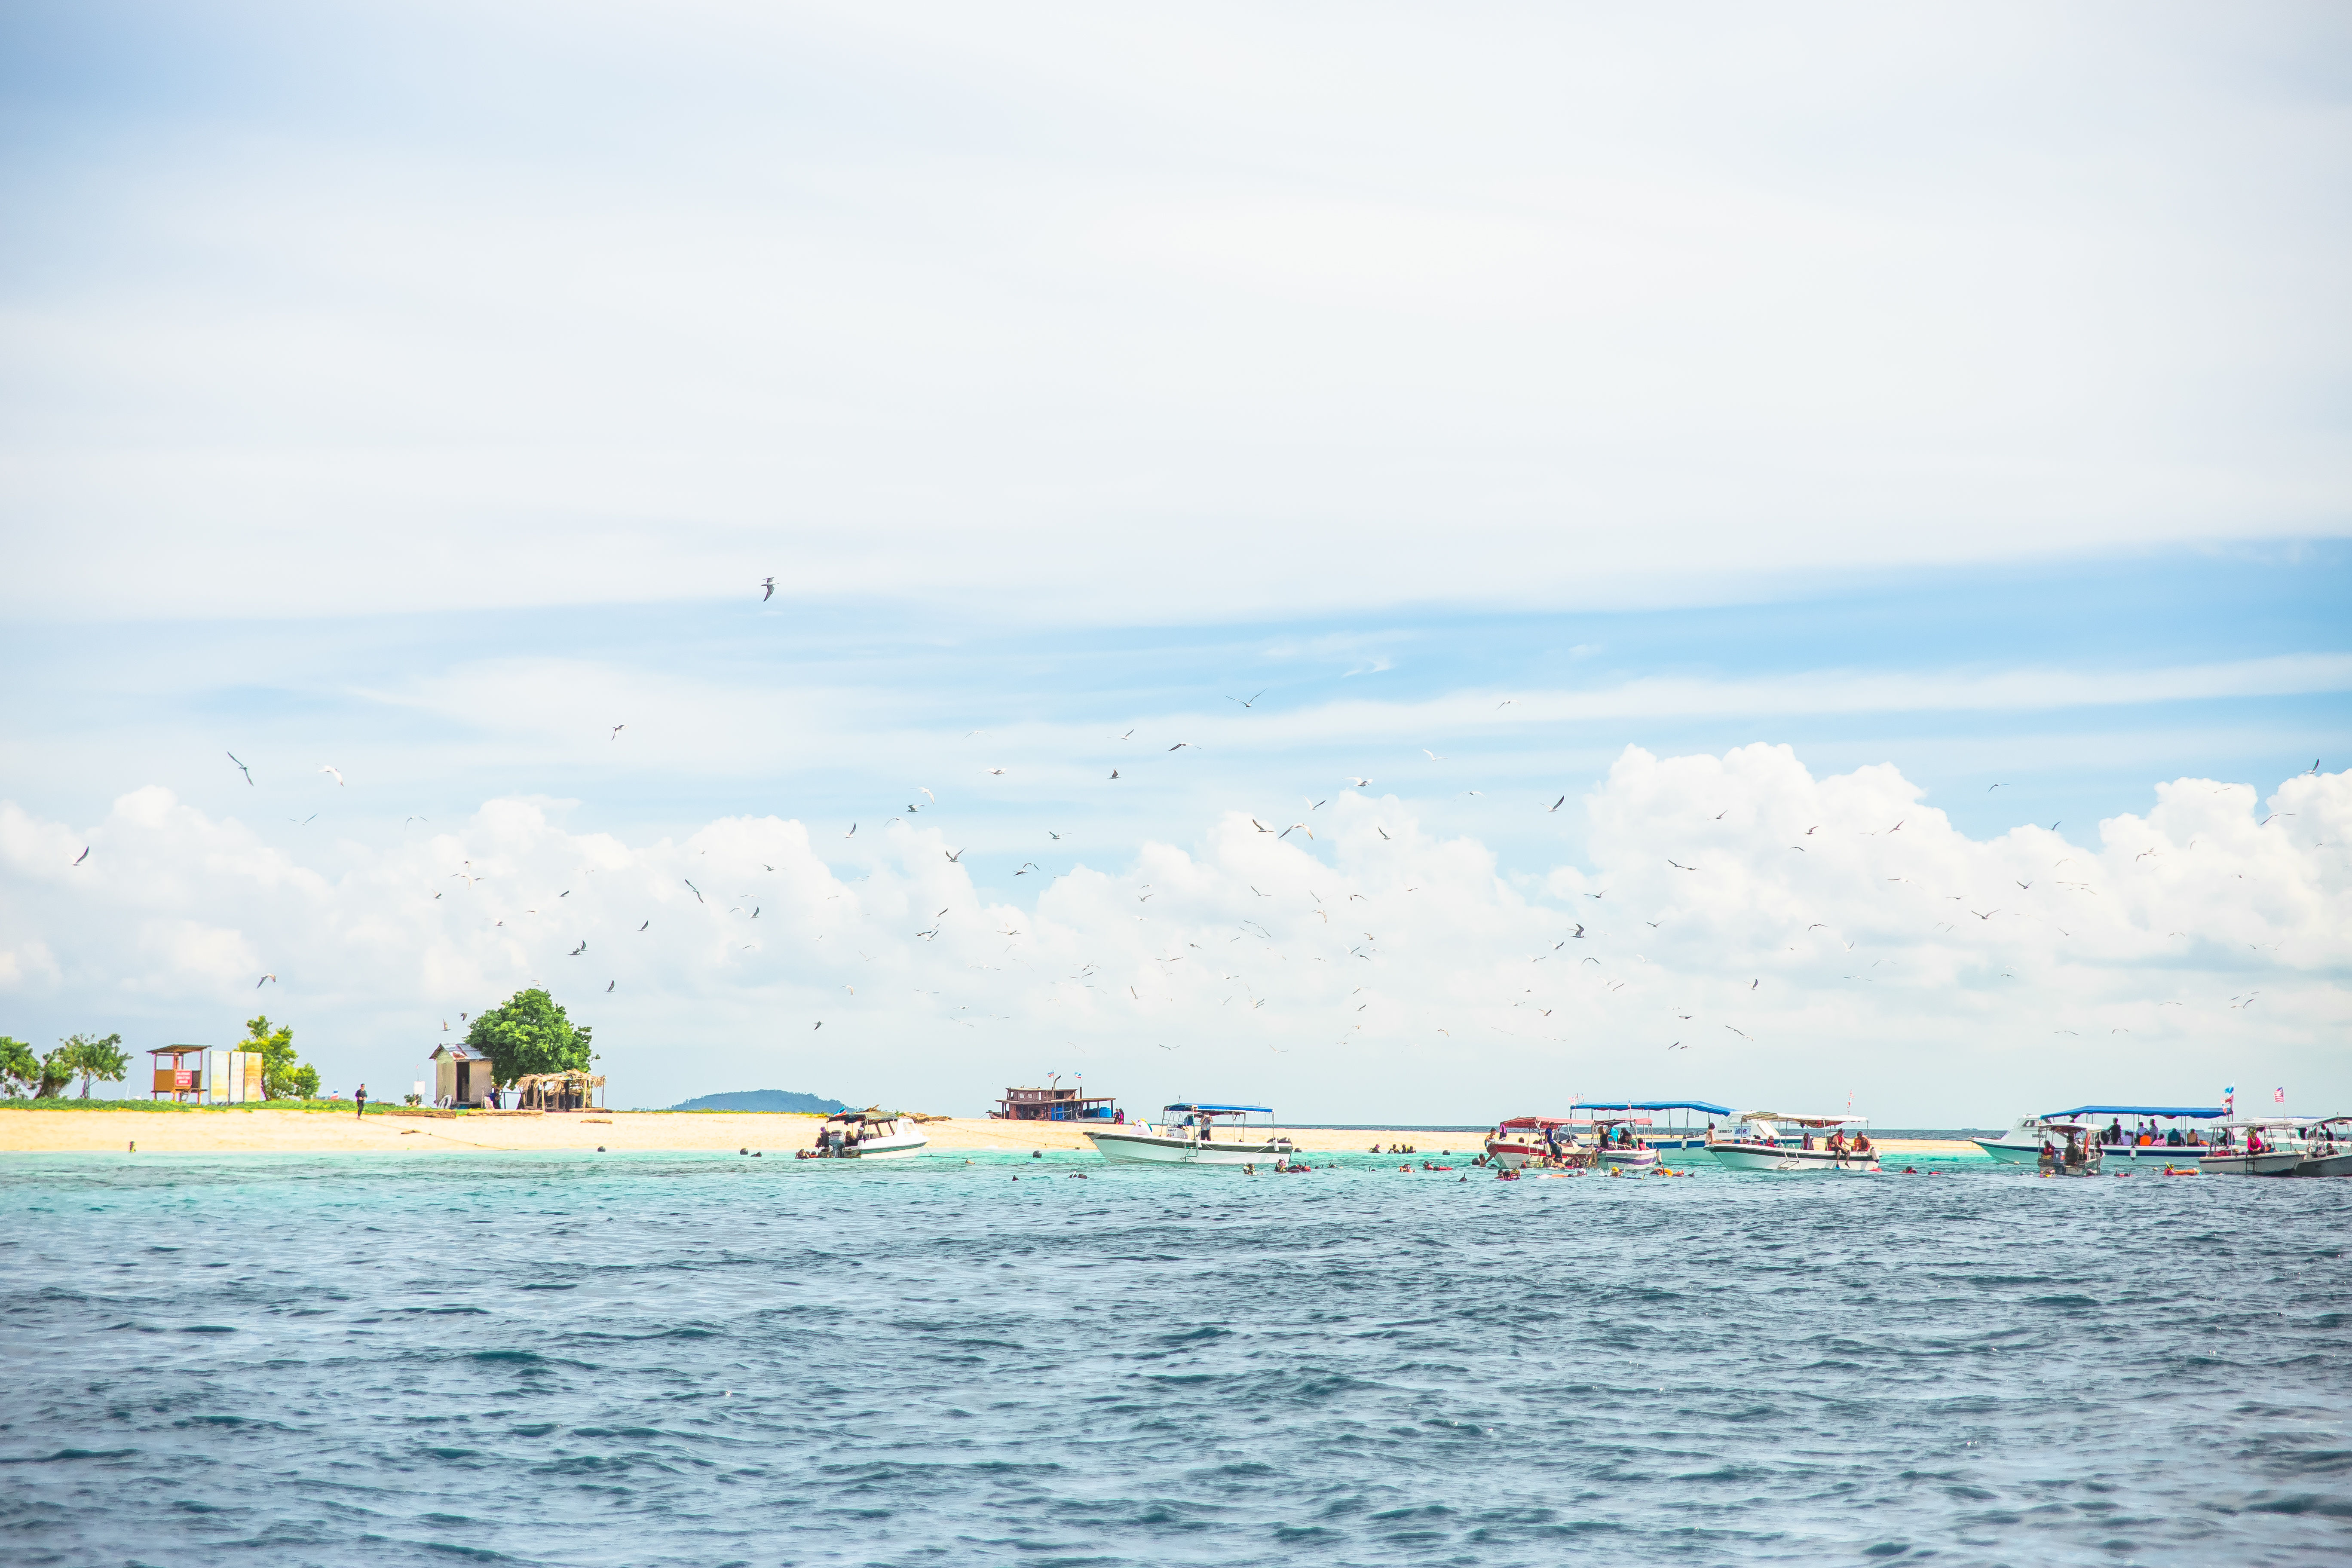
[(1681, 1128), (2327, 1147), (2256, 1149), (1525, 1139), (1187, 1135), (868, 1134), (2145, 1142), (1756, 1142), (2073, 1150)]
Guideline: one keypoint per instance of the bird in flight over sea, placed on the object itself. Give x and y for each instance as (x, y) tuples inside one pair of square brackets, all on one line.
[(1679, 866), (1180, 745), (1990, 788), (1555, 805), (1359, 784), (694, 890), (1261, 826), (578, 950), (1718, 815), (1754, 983), (853, 831), (955, 859), (647, 923), (1741, 1033), (1382, 832), (1114, 773), (1578, 933), (303, 821), (329, 769), (767, 589), (1433, 756), (263, 980), (609, 985), (80, 858), (993, 773), (616, 732), (1251, 703), (240, 766)]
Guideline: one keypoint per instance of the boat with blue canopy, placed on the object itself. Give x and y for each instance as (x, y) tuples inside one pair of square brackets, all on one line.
[(1678, 1132), (2157, 1134)]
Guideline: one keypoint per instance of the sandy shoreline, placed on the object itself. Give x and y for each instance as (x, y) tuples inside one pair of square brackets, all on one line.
[(238, 1130)]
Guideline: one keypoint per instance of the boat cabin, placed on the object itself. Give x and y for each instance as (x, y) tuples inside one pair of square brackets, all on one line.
[(1666, 1123), (1203, 1120), (1787, 1129), (1055, 1103)]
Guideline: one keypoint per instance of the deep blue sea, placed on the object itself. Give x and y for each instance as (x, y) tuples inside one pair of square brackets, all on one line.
[(648, 1360)]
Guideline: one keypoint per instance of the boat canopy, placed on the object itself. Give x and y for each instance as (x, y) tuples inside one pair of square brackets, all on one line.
[(2202, 1112), (1224, 1109), (1793, 1120), (1653, 1105), (1536, 1121)]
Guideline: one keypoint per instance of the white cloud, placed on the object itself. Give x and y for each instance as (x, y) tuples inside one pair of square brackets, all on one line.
[(1372, 971)]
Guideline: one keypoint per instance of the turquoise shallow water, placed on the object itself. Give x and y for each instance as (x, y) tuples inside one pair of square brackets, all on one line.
[(646, 1360)]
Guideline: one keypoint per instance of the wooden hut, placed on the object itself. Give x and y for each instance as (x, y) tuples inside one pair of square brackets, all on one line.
[(462, 1075), (1053, 1103), (569, 1091)]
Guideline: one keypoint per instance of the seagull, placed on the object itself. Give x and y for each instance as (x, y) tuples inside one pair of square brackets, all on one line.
[(1578, 934), (2266, 821), (1261, 826), (767, 589), (2026, 886), (1718, 815), (1555, 805), (1359, 784), (1126, 736), (1251, 703), (1114, 773), (820, 1023), (1254, 889), (1679, 866), (1053, 835), (698, 891), (647, 923), (1741, 1033), (1819, 925), (1321, 803), (578, 950), (955, 859), (2054, 826), (1433, 756), (1601, 894), (326, 768), (608, 986), (1651, 924), (1754, 983), (853, 831), (406, 820), (1382, 832), (267, 979), (616, 732), (1295, 827), (80, 858), (240, 766), (993, 773), (1990, 788), (297, 821)]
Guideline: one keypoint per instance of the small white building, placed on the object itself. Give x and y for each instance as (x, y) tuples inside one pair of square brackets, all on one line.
[(461, 1075)]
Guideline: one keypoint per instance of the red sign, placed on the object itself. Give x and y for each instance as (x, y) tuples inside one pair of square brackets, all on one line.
[(183, 1078)]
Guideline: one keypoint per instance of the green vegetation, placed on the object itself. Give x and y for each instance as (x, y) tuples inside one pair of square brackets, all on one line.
[(87, 1056), (528, 1035), (282, 1076)]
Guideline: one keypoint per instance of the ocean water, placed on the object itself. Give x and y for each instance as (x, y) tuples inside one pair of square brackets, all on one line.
[(638, 1359)]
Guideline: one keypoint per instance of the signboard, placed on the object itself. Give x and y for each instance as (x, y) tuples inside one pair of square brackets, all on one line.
[(183, 1078)]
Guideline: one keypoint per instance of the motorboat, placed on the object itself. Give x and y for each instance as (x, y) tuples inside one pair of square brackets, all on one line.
[(1683, 1131), (2076, 1152), (1187, 1135), (1617, 1147), (1523, 1140), (2255, 1148), (1825, 1146), (2327, 1147), (872, 1133), (2145, 1141)]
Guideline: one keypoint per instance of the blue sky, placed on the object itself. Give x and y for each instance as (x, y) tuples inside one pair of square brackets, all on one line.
[(1953, 399)]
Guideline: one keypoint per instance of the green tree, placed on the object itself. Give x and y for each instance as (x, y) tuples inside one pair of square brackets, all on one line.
[(104, 1060), (282, 1076), (57, 1072), (529, 1034), (20, 1069)]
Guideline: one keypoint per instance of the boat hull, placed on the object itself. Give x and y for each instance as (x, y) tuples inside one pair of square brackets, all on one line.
[(2282, 1162), (1628, 1158), (1149, 1149), (1791, 1161), (1510, 1154), (2335, 1164)]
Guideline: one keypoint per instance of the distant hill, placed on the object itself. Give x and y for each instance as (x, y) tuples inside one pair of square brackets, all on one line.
[(763, 1099)]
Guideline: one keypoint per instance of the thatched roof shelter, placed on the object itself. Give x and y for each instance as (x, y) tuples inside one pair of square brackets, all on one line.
[(571, 1089)]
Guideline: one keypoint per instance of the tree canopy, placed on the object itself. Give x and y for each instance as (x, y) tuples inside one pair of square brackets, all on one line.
[(91, 1056), (282, 1076), (529, 1034), (19, 1068)]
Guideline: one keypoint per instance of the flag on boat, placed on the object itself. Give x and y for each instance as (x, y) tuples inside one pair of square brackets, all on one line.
[(2278, 1095)]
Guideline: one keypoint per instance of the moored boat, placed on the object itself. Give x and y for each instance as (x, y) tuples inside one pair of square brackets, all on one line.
[(869, 1134), (2077, 1153), (1824, 1147), (1683, 1130), (2148, 1140), (2327, 1147), (1187, 1135), (1521, 1140), (2262, 1149)]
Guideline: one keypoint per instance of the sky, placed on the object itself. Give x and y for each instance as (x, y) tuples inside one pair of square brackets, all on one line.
[(1660, 452)]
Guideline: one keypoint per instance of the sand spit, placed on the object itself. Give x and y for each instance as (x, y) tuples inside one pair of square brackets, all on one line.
[(261, 1130)]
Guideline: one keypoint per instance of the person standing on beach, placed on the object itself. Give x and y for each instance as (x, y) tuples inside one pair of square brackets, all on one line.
[(361, 1098)]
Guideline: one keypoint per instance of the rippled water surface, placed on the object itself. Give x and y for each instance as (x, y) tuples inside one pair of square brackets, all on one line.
[(646, 1360)]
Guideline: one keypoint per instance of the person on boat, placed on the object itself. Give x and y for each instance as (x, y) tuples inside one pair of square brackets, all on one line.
[(2114, 1133), (1862, 1142), (2255, 1142)]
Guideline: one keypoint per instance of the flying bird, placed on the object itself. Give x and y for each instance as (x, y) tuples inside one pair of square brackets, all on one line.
[(1741, 1033), (1986, 915), (80, 858), (578, 950), (1129, 733), (1578, 933), (1261, 826), (327, 769), (1251, 703), (1754, 983), (820, 1023), (1718, 815), (263, 980), (697, 891), (1359, 784), (1679, 866), (304, 821), (1382, 832), (1433, 756), (1990, 788), (240, 766), (767, 589), (955, 859), (853, 831), (1555, 805), (1819, 925), (609, 985), (1114, 773), (1180, 745), (993, 773), (647, 923)]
